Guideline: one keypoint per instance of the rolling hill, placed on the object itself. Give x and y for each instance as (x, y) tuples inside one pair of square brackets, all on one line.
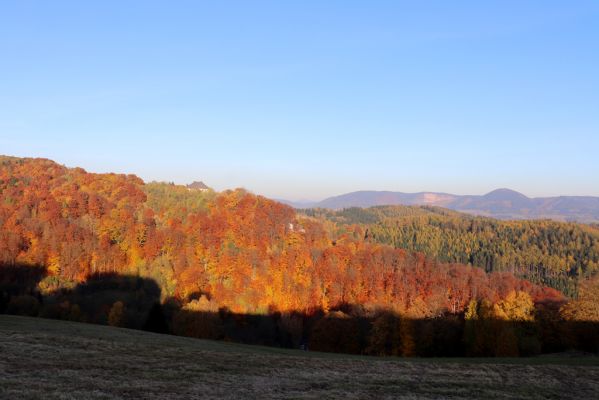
[(500, 203)]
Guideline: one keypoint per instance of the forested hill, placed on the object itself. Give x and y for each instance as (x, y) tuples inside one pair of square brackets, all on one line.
[(547, 252), (108, 248), (244, 252)]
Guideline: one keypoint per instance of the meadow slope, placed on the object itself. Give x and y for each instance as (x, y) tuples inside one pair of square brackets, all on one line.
[(62, 360)]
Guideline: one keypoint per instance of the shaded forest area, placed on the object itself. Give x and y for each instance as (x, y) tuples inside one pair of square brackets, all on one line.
[(545, 252), (109, 249), (512, 327)]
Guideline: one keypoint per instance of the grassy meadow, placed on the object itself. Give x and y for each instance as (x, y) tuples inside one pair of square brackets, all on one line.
[(47, 359)]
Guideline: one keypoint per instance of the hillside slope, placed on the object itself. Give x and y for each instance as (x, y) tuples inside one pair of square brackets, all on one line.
[(111, 249), (46, 359), (240, 251), (546, 252)]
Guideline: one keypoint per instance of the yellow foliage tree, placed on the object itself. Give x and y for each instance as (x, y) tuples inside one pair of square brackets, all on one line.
[(54, 265), (586, 307), (517, 306)]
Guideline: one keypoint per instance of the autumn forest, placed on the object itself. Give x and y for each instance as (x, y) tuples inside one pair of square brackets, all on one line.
[(403, 281)]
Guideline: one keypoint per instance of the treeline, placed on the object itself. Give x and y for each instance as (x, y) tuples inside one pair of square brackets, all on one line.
[(513, 326), (212, 262), (550, 253)]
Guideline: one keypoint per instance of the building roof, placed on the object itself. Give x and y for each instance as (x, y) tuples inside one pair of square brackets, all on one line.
[(197, 185)]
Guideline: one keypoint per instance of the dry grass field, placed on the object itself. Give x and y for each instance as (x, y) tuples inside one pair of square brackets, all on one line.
[(46, 359)]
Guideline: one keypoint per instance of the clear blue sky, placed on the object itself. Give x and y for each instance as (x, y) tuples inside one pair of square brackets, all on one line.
[(299, 99)]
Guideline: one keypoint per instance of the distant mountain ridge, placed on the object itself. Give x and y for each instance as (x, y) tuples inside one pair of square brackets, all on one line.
[(500, 203)]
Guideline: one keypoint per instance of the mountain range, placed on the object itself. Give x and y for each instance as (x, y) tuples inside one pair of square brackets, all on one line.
[(500, 203)]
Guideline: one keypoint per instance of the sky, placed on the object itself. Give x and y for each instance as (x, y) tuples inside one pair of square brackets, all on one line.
[(308, 99)]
